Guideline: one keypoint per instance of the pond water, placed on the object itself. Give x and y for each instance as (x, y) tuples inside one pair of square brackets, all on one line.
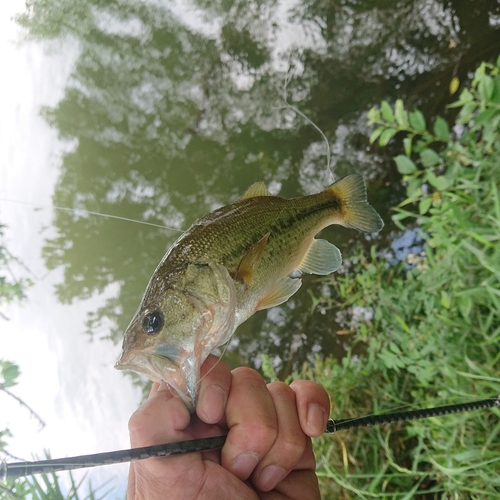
[(164, 111)]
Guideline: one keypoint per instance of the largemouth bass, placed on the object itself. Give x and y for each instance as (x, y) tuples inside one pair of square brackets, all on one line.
[(228, 265)]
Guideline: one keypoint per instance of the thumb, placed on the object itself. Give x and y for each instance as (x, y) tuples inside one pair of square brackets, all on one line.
[(162, 418)]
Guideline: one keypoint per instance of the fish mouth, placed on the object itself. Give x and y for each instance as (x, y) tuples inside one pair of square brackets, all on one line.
[(179, 373)]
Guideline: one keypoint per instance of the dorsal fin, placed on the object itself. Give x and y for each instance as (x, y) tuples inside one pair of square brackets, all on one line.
[(256, 189)]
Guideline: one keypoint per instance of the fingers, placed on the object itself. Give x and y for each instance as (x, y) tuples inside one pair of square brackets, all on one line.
[(313, 406), (160, 419), (252, 422), (289, 445), (214, 389), (269, 427)]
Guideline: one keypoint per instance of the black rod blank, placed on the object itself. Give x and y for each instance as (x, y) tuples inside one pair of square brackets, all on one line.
[(349, 423), (19, 469)]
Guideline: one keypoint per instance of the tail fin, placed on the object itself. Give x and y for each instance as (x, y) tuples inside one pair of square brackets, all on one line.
[(357, 213)]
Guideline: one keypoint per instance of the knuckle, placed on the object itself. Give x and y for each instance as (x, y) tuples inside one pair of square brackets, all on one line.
[(282, 392), (292, 447), (136, 422), (265, 432), (244, 372)]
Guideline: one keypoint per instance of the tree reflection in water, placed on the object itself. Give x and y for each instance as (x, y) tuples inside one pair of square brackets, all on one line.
[(173, 113)]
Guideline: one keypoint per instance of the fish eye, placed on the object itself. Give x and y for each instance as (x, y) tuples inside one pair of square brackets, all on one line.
[(152, 323)]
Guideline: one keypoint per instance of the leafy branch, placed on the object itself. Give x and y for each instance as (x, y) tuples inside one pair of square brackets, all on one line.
[(8, 375)]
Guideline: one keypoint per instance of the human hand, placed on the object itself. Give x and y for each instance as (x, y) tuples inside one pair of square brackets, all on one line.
[(267, 454)]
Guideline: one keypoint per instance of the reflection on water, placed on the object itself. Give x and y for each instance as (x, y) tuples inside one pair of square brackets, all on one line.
[(172, 111)]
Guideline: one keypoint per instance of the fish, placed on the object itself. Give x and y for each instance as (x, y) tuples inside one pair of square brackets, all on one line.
[(229, 264)]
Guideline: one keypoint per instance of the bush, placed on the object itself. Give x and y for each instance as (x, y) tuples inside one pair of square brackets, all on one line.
[(430, 332)]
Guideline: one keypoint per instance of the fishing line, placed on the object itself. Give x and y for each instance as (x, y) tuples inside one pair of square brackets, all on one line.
[(226, 345), (307, 119), (20, 469), (76, 210)]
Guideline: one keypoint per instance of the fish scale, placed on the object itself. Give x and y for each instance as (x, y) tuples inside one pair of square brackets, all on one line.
[(246, 222)]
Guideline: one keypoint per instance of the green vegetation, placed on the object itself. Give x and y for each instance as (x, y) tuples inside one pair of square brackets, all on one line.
[(432, 332)]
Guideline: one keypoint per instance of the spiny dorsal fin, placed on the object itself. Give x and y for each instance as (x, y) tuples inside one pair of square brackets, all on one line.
[(256, 189), (322, 258), (357, 213), (251, 260)]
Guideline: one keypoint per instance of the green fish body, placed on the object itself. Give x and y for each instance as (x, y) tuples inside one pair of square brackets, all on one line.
[(230, 264)]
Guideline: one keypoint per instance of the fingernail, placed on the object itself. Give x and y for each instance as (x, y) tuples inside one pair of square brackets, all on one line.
[(316, 418), (270, 477), (244, 464), (213, 402)]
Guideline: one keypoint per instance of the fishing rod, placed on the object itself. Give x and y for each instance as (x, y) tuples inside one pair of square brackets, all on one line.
[(20, 469)]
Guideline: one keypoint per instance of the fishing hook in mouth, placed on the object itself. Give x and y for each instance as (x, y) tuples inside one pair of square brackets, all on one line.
[(20, 469)]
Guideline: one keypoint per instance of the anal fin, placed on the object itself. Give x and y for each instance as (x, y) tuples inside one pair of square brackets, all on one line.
[(279, 293), (322, 258)]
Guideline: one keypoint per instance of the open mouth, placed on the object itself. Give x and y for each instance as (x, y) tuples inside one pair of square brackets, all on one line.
[(179, 374)]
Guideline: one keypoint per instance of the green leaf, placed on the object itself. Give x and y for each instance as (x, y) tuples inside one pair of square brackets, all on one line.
[(401, 321), (376, 133), (442, 183), (407, 143), (485, 117), (387, 112), (9, 374), (430, 176), (405, 165), (414, 189), (424, 205), (445, 300), (467, 111), (401, 114), (465, 305), (479, 74), (387, 135), (485, 87), (417, 120), (429, 157), (441, 129), (495, 98), (394, 348), (465, 97), (373, 116)]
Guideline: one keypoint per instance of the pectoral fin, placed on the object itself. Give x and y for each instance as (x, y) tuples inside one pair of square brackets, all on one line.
[(280, 293), (256, 189), (322, 258), (251, 260)]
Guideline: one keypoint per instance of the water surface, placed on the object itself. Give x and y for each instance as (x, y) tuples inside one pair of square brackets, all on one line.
[(172, 109)]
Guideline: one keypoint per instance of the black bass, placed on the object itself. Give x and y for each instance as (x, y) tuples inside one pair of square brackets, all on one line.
[(228, 265)]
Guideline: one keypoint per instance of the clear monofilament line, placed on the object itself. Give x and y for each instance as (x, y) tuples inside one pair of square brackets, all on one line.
[(89, 212)]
